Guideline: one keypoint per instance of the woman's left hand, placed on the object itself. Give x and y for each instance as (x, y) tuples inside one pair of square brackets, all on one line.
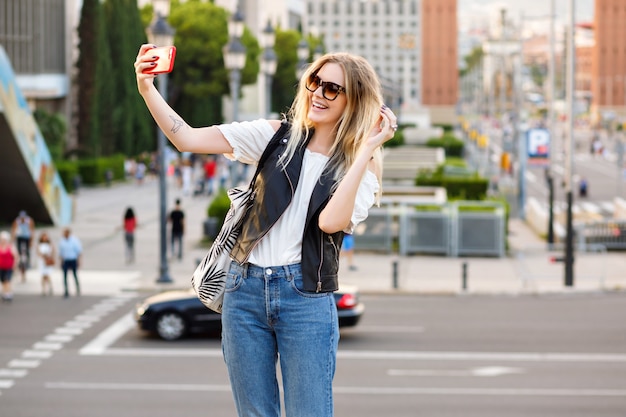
[(384, 128)]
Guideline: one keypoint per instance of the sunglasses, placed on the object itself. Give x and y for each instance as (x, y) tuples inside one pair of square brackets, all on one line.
[(330, 90)]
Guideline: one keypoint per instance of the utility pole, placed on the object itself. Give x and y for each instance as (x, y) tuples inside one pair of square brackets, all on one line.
[(569, 162), (551, 126)]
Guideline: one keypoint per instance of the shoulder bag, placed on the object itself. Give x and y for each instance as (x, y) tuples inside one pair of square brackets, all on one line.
[(209, 278)]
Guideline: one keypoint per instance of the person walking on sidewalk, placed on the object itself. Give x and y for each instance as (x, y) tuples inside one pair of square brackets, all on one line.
[(8, 255), (321, 177), (177, 219), (70, 250), (23, 231), (129, 225), (45, 250)]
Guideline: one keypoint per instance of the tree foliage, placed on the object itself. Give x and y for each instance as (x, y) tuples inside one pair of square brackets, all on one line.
[(93, 65), (472, 59), (199, 79), (133, 127)]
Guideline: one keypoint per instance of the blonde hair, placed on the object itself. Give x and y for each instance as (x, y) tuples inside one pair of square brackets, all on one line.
[(363, 104), (4, 235)]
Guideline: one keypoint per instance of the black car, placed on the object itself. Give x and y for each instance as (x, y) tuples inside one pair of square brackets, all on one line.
[(175, 314)]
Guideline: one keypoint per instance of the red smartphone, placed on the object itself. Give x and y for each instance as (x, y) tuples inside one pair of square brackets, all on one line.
[(165, 61)]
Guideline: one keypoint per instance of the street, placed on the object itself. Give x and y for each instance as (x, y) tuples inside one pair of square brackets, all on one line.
[(549, 355)]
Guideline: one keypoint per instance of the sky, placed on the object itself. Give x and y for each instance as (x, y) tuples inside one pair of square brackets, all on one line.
[(472, 11)]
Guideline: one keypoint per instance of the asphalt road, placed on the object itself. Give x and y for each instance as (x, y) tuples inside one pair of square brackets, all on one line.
[(559, 355)]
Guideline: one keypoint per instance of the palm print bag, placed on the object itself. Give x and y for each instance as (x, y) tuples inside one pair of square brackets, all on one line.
[(209, 278)]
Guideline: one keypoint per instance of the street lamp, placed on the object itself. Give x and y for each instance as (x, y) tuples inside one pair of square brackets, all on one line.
[(235, 58), (303, 57), (162, 34), (268, 64), (319, 51)]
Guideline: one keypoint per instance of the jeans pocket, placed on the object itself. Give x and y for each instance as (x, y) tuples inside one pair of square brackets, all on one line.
[(297, 284), (233, 281)]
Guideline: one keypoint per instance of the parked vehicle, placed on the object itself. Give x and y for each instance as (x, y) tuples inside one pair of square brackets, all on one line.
[(173, 315)]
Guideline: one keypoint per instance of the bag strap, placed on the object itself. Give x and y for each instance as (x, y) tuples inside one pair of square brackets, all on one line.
[(273, 143)]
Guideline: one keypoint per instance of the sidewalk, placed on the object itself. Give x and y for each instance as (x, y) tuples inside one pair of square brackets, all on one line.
[(98, 222)]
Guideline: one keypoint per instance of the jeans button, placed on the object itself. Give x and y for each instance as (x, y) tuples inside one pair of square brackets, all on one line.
[(268, 271)]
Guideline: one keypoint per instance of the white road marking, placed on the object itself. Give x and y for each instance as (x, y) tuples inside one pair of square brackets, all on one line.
[(68, 330), (13, 373), (6, 383), (36, 354), (580, 392), (100, 349), (391, 329), (59, 338), (78, 324), (89, 318), (136, 387), (47, 346), (487, 371), (489, 356), (107, 337), (19, 363)]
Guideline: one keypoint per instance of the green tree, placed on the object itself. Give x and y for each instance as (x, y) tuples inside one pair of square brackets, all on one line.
[(53, 128), (284, 82), (473, 59), (94, 66), (133, 127), (199, 79)]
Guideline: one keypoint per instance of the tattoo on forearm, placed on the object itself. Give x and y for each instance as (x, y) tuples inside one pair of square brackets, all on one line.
[(177, 124)]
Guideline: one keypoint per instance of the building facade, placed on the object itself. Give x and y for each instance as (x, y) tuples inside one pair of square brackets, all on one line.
[(439, 58), (397, 37), (608, 62)]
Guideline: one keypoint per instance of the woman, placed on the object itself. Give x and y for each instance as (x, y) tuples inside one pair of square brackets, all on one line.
[(130, 224), (314, 186), (45, 251), (8, 255)]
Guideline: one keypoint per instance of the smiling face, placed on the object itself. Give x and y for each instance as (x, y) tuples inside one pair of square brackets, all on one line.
[(323, 111)]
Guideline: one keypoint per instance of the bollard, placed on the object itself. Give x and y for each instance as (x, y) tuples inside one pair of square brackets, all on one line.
[(464, 277), (395, 274)]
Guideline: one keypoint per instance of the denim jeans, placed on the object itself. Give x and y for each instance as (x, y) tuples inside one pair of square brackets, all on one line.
[(266, 317)]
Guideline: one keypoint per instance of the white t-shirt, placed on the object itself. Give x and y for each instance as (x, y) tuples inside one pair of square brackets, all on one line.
[(282, 245)]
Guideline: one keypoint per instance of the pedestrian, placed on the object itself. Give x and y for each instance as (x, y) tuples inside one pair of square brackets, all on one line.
[(129, 225), (347, 250), (210, 168), (186, 172), (140, 172), (8, 255), (23, 230), (321, 177), (177, 219), (70, 250), (45, 251), (583, 187)]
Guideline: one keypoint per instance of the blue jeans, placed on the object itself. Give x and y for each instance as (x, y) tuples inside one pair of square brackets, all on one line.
[(266, 314)]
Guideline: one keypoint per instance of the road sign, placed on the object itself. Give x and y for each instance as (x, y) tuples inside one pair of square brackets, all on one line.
[(538, 146)]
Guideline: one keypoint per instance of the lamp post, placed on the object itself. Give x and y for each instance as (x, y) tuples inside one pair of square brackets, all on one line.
[(235, 58), (303, 57), (162, 34), (268, 64), (319, 51)]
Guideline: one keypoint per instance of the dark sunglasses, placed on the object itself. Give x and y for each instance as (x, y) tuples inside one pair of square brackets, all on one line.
[(330, 90)]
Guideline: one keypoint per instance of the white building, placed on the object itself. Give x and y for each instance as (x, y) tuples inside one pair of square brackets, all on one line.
[(385, 32)]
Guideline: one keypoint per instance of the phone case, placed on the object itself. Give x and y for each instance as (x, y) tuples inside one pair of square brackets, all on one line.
[(165, 63)]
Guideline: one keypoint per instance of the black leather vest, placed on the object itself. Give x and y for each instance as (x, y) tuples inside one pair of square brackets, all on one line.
[(275, 189)]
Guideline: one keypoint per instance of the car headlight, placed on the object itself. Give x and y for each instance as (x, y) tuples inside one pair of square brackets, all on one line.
[(141, 309)]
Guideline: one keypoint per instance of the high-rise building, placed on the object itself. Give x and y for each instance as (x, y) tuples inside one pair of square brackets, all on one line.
[(439, 58), (410, 43), (608, 64)]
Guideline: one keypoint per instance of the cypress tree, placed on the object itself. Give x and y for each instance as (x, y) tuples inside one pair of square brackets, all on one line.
[(93, 64), (131, 122)]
